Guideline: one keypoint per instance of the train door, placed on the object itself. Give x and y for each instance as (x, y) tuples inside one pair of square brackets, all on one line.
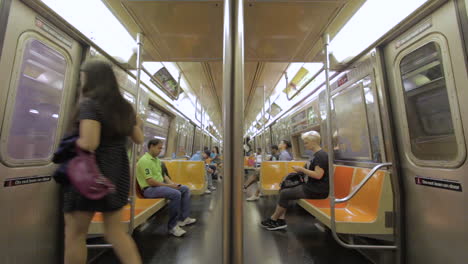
[(39, 69), (427, 80)]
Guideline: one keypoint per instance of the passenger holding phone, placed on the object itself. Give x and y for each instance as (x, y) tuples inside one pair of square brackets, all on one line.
[(154, 184)]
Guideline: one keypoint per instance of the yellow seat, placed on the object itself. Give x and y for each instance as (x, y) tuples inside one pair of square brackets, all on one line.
[(273, 172), (188, 173)]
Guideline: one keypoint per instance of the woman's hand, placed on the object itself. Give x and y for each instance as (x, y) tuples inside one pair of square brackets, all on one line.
[(139, 121), (298, 168)]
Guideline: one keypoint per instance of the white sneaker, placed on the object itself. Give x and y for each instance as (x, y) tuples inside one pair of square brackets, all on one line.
[(207, 191), (177, 231), (187, 221), (253, 198), (212, 188)]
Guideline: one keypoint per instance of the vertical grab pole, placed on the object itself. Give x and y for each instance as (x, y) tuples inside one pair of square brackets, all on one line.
[(201, 121), (326, 41), (233, 120), (264, 126), (139, 41)]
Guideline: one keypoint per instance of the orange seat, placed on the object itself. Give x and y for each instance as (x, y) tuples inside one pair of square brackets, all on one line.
[(363, 206), (343, 178), (140, 206), (365, 212)]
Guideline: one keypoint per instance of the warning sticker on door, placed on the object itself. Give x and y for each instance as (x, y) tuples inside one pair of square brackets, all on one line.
[(442, 184), (26, 180)]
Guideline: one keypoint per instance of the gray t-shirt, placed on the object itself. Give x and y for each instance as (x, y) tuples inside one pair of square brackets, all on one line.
[(285, 156)]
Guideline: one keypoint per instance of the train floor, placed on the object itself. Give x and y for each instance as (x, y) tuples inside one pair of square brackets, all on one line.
[(301, 242)]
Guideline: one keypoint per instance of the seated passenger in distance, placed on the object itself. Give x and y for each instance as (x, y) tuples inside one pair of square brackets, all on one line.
[(315, 186), (275, 156), (285, 150), (258, 157), (197, 156), (154, 184), (208, 171), (274, 153)]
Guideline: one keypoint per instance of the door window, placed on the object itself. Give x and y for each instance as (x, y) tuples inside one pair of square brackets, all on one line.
[(431, 128), (31, 134)]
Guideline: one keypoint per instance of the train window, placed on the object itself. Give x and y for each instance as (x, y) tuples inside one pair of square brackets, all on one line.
[(157, 126), (190, 133), (355, 128), (31, 135), (304, 153), (429, 116)]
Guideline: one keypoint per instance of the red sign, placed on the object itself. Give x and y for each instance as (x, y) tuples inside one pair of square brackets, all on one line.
[(342, 80)]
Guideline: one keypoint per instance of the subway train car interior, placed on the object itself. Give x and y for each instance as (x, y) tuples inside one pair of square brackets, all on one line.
[(276, 131)]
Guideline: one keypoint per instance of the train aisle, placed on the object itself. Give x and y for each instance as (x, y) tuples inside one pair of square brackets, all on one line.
[(301, 242), (201, 244)]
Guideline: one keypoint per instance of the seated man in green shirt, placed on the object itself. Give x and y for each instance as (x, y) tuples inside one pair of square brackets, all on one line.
[(156, 185)]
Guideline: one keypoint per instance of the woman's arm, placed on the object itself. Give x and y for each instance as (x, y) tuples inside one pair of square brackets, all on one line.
[(137, 133), (317, 173), (90, 135)]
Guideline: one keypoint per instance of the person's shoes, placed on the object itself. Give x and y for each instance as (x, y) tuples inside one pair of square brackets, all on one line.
[(207, 191), (253, 198), (177, 231), (212, 188), (272, 225), (277, 225), (267, 223), (187, 221)]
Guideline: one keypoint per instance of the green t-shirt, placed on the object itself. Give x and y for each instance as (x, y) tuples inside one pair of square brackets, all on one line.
[(148, 167)]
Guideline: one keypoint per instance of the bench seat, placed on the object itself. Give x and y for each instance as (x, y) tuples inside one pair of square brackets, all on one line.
[(365, 212), (272, 172), (144, 209), (188, 173)]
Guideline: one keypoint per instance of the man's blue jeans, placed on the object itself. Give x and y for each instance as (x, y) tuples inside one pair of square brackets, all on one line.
[(179, 207)]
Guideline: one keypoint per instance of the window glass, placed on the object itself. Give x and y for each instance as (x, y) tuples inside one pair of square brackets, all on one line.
[(196, 146), (429, 117), (190, 133), (181, 138), (350, 122), (35, 116), (156, 126), (304, 153)]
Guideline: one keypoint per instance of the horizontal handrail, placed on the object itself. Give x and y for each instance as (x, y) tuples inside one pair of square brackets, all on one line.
[(362, 183)]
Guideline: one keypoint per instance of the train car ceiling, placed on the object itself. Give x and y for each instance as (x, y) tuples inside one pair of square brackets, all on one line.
[(189, 33)]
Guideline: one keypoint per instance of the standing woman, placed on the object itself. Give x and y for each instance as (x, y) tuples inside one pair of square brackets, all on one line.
[(104, 121)]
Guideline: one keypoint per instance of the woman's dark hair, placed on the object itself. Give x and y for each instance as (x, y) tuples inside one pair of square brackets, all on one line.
[(217, 149), (275, 147), (101, 86), (154, 142), (207, 152), (287, 143)]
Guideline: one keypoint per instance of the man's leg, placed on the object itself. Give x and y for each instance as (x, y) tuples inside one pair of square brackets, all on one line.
[(253, 178), (171, 194), (209, 178), (185, 202)]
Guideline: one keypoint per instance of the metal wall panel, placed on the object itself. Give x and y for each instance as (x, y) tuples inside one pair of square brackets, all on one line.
[(435, 218), (30, 230)]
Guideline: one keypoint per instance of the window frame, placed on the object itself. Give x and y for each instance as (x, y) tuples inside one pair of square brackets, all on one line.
[(441, 41), (23, 40)]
